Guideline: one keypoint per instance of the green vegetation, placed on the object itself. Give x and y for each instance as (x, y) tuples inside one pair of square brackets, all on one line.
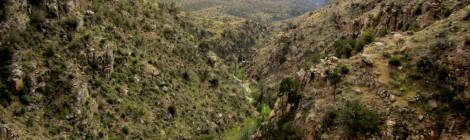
[(424, 63), (358, 118), (334, 78), (328, 119), (72, 21), (264, 12), (344, 69), (414, 26), (283, 58), (442, 72), (244, 132), (312, 56), (346, 47), (291, 87), (5, 95), (394, 61), (466, 41), (368, 35), (240, 73), (263, 109)]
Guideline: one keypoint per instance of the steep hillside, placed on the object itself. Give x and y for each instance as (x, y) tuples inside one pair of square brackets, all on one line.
[(262, 11), (369, 69), (124, 69)]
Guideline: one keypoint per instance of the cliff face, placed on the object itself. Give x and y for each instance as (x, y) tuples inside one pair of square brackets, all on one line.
[(117, 70), (400, 60)]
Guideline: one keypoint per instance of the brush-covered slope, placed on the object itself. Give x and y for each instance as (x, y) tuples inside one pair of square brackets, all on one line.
[(262, 11), (369, 69), (128, 69)]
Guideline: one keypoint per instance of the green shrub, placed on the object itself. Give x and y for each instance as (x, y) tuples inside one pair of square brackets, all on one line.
[(424, 63), (466, 41), (414, 26), (263, 109), (5, 95), (312, 56), (442, 72), (394, 61), (186, 76), (459, 103), (214, 82), (369, 35), (6, 55), (344, 69), (38, 16), (172, 110), (358, 118), (360, 44), (291, 87), (72, 21), (19, 111), (445, 94), (283, 58), (240, 73), (343, 48), (126, 130), (334, 78), (204, 47), (328, 119)]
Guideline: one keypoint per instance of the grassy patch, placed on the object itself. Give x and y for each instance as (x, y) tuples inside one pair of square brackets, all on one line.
[(264, 109), (244, 132), (240, 73)]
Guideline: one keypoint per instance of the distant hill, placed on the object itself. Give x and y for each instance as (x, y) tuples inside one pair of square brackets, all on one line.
[(262, 11)]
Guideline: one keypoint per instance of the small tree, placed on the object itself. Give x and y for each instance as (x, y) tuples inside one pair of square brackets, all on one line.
[(291, 87), (358, 118), (369, 35), (394, 61), (344, 69)]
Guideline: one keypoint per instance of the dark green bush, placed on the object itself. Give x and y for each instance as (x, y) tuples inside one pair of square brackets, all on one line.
[(394, 61), (186, 76), (6, 55), (126, 130), (263, 109), (38, 16), (334, 78), (3, 12), (5, 95), (204, 47), (172, 110), (19, 111), (369, 35), (466, 41), (291, 87), (424, 63), (312, 56), (358, 118), (214, 82), (343, 48), (344, 69), (283, 58), (442, 72), (414, 26), (72, 21), (329, 118), (458, 103)]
